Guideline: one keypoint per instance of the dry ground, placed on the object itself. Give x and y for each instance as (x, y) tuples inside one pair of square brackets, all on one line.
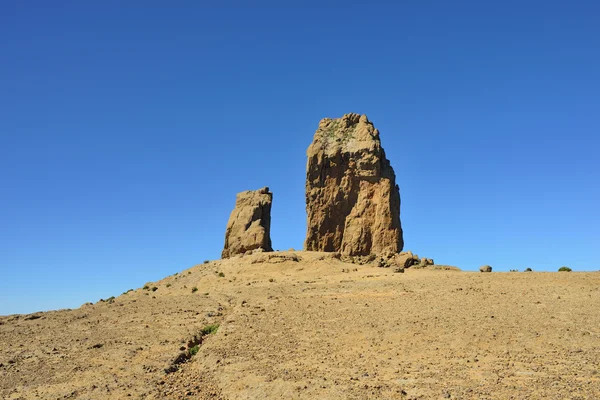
[(306, 330)]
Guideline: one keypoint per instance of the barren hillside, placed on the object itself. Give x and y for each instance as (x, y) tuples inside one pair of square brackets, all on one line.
[(306, 325)]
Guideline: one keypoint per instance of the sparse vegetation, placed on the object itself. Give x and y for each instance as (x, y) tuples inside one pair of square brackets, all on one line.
[(336, 132), (528, 270), (514, 270), (154, 288), (168, 285), (194, 289), (209, 329), (564, 269), (194, 350), (146, 287), (206, 294), (193, 347), (221, 275), (330, 130), (206, 262)]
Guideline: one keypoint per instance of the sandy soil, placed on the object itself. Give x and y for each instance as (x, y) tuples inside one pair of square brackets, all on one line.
[(310, 326)]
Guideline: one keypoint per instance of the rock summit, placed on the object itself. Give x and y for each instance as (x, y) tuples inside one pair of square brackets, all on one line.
[(352, 200), (249, 226)]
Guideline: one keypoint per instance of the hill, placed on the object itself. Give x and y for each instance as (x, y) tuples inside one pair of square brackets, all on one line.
[(305, 325)]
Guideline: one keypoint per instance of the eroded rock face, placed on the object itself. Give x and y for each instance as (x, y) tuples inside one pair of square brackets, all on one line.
[(352, 200), (249, 225)]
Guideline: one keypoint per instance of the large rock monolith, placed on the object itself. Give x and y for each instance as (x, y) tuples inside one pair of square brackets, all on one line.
[(249, 226), (352, 200)]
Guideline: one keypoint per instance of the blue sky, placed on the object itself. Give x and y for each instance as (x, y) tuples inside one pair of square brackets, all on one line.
[(127, 128)]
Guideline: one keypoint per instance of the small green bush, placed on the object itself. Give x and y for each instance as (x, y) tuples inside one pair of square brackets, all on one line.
[(146, 287), (194, 350), (564, 269), (206, 261), (194, 289), (221, 275), (210, 329), (154, 288), (528, 270)]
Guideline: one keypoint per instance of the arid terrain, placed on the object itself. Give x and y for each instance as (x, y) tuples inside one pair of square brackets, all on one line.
[(305, 325)]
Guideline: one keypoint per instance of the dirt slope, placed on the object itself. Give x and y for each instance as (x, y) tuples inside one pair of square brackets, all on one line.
[(293, 325)]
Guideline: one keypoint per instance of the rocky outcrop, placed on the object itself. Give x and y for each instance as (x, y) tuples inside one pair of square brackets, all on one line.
[(249, 225), (352, 200), (485, 268), (405, 260), (401, 260), (425, 262)]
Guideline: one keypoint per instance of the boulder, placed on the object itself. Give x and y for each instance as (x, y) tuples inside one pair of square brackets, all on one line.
[(405, 260), (425, 262), (249, 224), (352, 200), (485, 268)]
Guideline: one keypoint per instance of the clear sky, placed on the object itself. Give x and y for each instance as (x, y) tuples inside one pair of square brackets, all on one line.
[(127, 128)]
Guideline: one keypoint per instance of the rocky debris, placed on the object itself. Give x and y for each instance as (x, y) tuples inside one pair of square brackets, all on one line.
[(255, 251), (330, 256), (425, 262), (405, 260), (275, 258), (249, 224), (352, 200), (438, 267), (360, 260), (485, 268), (188, 385), (398, 261), (192, 348)]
